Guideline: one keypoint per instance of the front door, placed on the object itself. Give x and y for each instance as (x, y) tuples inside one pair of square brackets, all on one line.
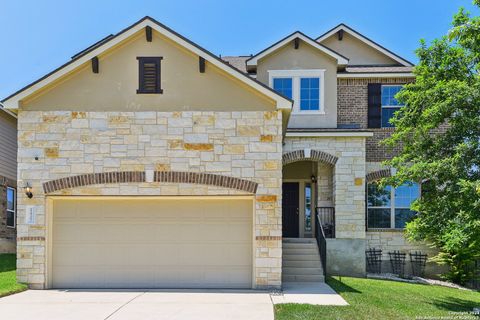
[(290, 209)]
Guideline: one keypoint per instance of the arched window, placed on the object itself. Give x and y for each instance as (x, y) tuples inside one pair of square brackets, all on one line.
[(388, 207)]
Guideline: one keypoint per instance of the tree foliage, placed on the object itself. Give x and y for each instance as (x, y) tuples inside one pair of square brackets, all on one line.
[(439, 131)]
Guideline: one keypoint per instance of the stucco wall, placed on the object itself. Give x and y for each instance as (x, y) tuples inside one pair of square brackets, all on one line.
[(115, 87), (246, 145), (356, 51), (305, 57)]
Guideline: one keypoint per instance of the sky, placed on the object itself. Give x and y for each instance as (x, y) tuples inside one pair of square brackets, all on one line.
[(38, 36)]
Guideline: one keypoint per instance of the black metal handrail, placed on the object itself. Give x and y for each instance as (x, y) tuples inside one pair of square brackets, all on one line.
[(326, 218), (322, 243)]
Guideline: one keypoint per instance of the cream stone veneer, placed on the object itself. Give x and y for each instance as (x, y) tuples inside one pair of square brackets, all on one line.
[(347, 180), (245, 145)]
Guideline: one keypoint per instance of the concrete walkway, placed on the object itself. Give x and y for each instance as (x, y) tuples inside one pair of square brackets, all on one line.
[(317, 293), (131, 305)]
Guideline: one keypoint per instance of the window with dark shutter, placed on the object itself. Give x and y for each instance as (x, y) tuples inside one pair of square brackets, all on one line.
[(374, 105), (149, 75)]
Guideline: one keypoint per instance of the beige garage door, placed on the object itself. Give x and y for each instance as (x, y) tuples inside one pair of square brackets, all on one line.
[(152, 243)]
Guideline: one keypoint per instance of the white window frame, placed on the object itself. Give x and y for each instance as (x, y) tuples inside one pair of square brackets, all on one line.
[(387, 106), (296, 75), (14, 207), (392, 207)]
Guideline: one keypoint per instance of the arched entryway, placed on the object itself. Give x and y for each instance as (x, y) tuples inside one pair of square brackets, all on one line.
[(307, 184)]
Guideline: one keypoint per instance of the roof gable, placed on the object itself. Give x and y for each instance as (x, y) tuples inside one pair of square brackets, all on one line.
[(375, 47), (341, 60), (79, 60)]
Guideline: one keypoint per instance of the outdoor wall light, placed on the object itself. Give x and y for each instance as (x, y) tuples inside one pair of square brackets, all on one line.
[(313, 178), (28, 190)]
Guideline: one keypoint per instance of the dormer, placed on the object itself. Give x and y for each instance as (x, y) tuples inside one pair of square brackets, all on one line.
[(305, 71)]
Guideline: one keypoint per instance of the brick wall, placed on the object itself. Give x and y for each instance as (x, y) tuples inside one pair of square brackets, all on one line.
[(352, 97)]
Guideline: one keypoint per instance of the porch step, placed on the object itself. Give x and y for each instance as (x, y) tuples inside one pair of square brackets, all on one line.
[(300, 251), (301, 257), (303, 278), (313, 263), (299, 240), (299, 245), (301, 261), (303, 271)]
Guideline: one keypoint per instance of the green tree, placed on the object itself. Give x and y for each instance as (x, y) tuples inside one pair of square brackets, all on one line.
[(439, 131)]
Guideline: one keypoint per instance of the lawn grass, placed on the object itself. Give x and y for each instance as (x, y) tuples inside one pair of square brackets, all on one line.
[(380, 299), (8, 278)]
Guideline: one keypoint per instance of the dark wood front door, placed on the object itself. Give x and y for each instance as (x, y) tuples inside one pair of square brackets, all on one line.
[(290, 208)]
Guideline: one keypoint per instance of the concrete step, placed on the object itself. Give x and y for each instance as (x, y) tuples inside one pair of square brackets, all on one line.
[(314, 263), (299, 251), (301, 257), (303, 278), (299, 245), (302, 271), (299, 240)]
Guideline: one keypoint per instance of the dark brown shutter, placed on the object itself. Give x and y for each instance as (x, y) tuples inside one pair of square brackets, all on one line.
[(149, 75), (374, 105)]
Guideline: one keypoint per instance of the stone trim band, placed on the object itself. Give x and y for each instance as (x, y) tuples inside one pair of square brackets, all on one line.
[(377, 175), (315, 155), (159, 176)]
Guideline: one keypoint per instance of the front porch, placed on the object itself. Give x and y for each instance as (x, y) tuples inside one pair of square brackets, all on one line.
[(323, 203)]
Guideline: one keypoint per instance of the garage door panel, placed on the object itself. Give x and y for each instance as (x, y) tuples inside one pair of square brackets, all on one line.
[(152, 243)]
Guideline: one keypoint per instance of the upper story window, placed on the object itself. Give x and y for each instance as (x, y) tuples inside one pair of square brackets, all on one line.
[(305, 87), (283, 86), (309, 94), (149, 75), (389, 207), (11, 207), (389, 103)]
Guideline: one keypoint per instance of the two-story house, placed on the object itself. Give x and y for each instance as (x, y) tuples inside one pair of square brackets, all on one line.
[(8, 180), (150, 162)]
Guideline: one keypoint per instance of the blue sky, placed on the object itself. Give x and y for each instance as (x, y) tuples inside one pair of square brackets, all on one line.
[(38, 36)]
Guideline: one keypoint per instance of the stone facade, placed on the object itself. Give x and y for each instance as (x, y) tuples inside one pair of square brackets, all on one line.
[(244, 145), (353, 109), (348, 179), (7, 234)]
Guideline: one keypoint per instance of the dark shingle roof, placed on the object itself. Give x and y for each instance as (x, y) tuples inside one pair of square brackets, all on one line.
[(238, 62)]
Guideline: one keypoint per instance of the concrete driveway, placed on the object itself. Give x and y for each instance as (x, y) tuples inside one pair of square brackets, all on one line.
[(137, 304)]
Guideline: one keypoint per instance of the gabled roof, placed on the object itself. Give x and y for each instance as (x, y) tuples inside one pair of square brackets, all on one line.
[(12, 101), (297, 34), (366, 40)]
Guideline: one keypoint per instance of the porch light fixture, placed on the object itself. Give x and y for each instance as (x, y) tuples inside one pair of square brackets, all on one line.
[(313, 178), (28, 190)]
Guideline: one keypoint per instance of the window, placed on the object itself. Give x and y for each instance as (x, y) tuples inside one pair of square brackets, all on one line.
[(309, 93), (389, 103), (283, 86), (11, 207), (149, 75), (390, 207), (304, 87), (308, 207)]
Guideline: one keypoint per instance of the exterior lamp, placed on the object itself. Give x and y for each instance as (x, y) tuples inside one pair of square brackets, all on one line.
[(28, 190), (313, 178)]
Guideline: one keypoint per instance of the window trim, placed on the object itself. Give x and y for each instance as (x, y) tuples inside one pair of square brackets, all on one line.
[(295, 75), (388, 106), (14, 208), (141, 62), (392, 207)]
